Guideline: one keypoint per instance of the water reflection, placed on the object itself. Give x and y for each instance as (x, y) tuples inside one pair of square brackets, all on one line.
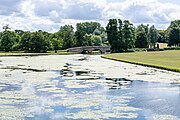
[(9, 87), (118, 83)]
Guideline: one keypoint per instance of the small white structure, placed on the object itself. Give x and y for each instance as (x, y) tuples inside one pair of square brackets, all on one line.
[(161, 45)]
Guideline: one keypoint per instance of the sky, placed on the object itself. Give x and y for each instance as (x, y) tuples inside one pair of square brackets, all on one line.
[(49, 15)]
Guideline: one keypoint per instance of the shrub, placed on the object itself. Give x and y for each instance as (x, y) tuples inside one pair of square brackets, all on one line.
[(152, 49), (161, 49), (130, 50), (172, 48), (140, 49)]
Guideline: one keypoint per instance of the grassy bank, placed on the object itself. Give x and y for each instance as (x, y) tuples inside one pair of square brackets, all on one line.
[(21, 53), (168, 60)]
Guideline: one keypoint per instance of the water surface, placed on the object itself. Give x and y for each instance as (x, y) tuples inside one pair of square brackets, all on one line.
[(68, 87)]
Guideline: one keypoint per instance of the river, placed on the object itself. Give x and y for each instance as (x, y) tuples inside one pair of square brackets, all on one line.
[(61, 87)]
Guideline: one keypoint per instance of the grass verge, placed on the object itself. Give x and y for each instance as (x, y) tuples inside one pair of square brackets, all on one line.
[(167, 60)]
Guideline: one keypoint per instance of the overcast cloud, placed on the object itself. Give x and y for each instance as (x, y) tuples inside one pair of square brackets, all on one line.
[(49, 15)]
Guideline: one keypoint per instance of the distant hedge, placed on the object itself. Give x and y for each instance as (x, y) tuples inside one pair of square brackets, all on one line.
[(172, 48)]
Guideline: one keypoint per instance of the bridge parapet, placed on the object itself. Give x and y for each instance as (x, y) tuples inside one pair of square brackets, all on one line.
[(103, 49)]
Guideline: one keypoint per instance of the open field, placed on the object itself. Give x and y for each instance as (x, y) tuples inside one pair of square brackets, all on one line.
[(169, 60), (21, 53)]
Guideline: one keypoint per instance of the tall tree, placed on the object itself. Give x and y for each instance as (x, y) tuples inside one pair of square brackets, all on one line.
[(80, 39), (161, 36), (25, 41), (141, 40), (128, 34), (9, 39), (38, 43), (174, 37), (141, 36), (112, 34), (121, 42), (89, 27), (153, 35), (120, 35), (172, 33), (67, 34), (85, 30)]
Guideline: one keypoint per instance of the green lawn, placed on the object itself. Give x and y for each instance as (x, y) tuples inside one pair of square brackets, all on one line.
[(169, 60), (21, 53)]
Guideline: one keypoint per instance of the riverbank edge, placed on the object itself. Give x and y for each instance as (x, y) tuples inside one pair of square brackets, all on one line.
[(142, 64), (33, 54)]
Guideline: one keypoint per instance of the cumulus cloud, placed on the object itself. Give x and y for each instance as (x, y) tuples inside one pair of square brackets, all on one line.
[(8, 7), (141, 11), (84, 11), (49, 15)]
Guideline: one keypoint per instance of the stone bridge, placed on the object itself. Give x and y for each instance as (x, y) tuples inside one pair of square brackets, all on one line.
[(90, 49)]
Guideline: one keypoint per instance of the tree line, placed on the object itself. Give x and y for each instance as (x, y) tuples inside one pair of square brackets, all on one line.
[(86, 34), (120, 35)]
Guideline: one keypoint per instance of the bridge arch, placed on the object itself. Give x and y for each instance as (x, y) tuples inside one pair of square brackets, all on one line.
[(84, 51), (96, 49)]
